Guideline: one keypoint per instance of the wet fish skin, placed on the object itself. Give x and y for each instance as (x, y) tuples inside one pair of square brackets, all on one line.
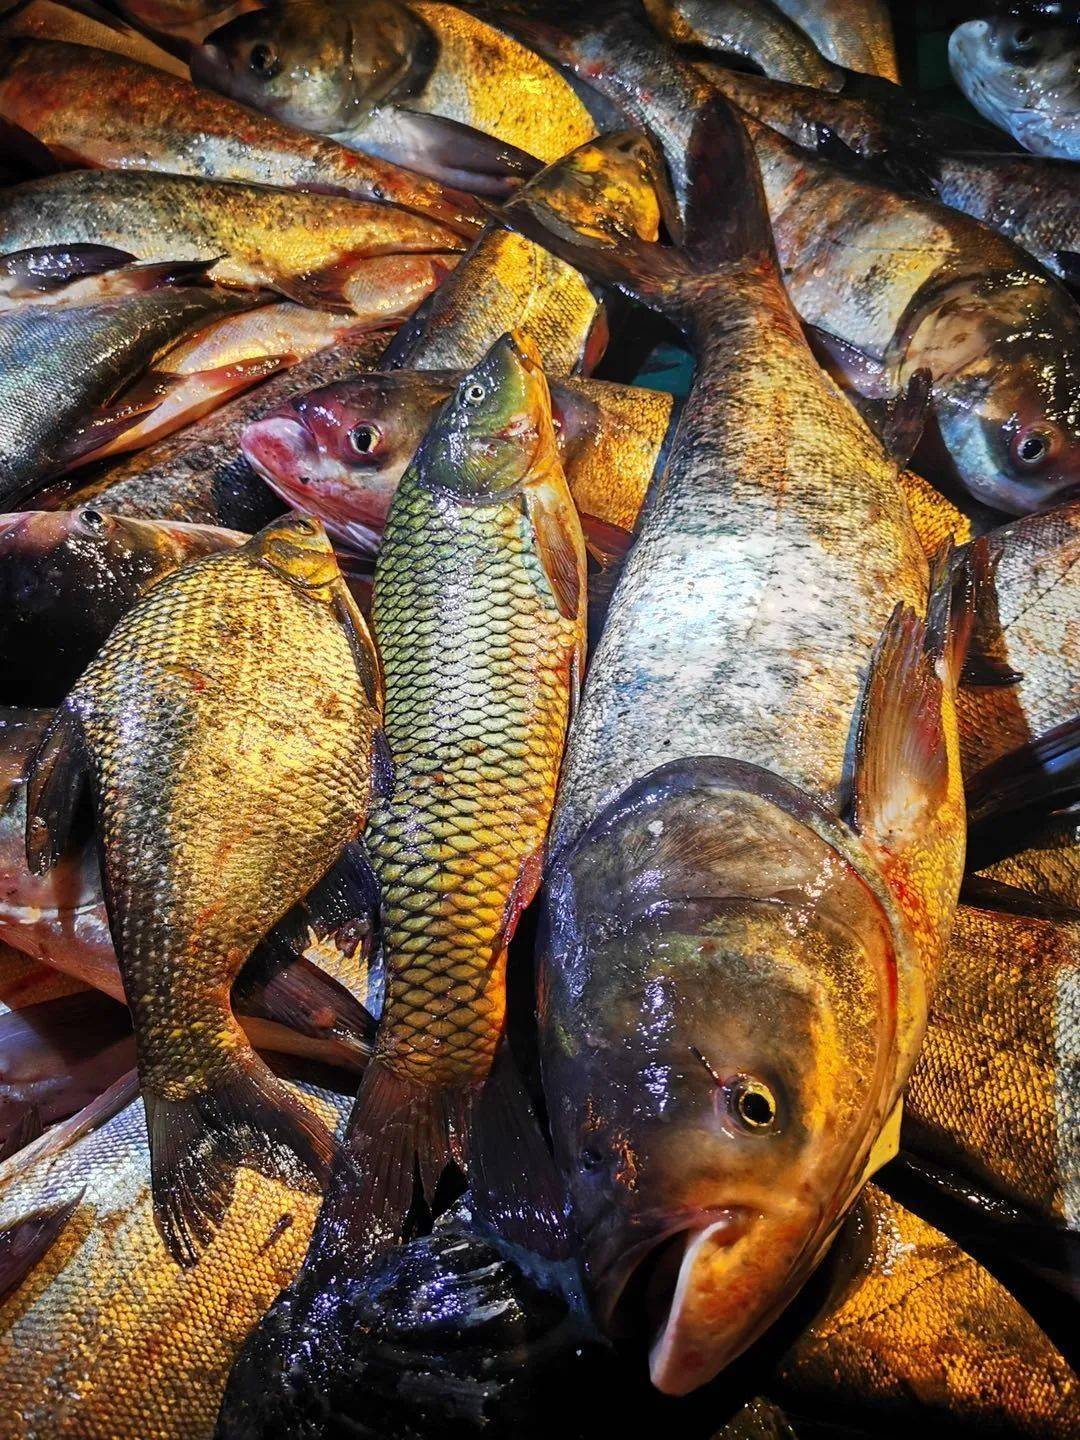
[(854, 33), (339, 452), (1023, 75), (917, 1333), (100, 110), (310, 248), (1028, 632), (65, 581), (337, 67), (898, 283), (296, 720), (58, 366), (182, 20), (760, 32), (609, 188), (122, 1340), (994, 1095), (200, 475), (710, 698), (48, 20)]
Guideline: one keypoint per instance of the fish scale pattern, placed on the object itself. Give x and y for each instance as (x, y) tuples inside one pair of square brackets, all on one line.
[(478, 660), (230, 741)]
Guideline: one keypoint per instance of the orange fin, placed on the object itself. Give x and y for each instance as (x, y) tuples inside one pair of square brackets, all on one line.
[(24, 1243), (560, 544), (197, 1145), (519, 899), (322, 289), (606, 543)]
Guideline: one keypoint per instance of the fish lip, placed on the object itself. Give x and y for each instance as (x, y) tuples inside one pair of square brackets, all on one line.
[(302, 446), (610, 1287)]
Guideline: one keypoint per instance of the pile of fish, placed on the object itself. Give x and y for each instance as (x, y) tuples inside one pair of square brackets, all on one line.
[(539, 721)]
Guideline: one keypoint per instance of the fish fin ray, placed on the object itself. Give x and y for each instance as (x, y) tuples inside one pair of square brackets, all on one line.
[(321, 289), (365, 655), (21, 1128), (560, 546), (906, 418), (514, 1185), (25, 1242), (197, 1144), (1041, 777), (608, 544), (57, 776)]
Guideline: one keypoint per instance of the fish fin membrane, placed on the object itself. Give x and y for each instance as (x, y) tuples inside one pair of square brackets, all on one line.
[(607, 544), (322, 289), (25, 1242), (1039, 778), (365, 655), (906, 418), (721, 165), (197, 1145), (30, 153), (60, 1054), (561, 551), (20, 1125), (1068, 262), (42, 268), (514, 1185), (986, 661), (304, 998), (57, 778)]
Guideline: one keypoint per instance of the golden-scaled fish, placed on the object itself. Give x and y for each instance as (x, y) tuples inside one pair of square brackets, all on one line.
[(480, 618), (745, 913), (340, 451), (609, 189), (919, 1337), (996, 1093), (102, 30), (375, 261), (757, 30), (107, 1337), (92, 108), (226, 729), (427, 85), (854, 33)]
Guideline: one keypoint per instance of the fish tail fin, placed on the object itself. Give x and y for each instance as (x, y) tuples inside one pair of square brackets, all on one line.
[(726, 223), (514, 1184), (198, 1143)]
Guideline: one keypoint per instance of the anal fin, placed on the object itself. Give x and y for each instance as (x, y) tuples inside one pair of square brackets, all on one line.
[(56, 780), (25, 1242)]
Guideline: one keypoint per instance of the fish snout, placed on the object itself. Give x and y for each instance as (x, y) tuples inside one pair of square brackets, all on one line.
[(282, 449)]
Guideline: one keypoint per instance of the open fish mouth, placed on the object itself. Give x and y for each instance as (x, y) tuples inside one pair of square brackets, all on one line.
[(646, 1292)]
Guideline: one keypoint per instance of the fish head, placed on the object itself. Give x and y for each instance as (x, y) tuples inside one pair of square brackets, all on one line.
[(1010, 68), (1006, 365), (610, 189), (495, 428), (338, 452), (314, 64), (718, 1012), (296, 547)]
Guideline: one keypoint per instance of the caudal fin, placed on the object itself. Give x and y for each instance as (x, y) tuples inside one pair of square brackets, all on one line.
[(197, 1144), (726, 222)]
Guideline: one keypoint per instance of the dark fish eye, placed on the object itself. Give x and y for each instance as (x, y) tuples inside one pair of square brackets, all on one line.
[(364, 438), (590, 1159), (474, 393), (752, 1104), (1032, 447), (92, 519), (263, 60)]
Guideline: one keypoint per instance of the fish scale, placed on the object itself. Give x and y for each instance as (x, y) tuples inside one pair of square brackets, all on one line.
[(476, 655)]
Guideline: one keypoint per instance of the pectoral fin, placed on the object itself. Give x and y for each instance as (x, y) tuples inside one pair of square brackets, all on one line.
[(57, 778), (560, 545)]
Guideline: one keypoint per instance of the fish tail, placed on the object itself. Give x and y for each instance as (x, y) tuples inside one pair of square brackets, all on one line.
[(726, 223), (198, 1143), (404, 1133)]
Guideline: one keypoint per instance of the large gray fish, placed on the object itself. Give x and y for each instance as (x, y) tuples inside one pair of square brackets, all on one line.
[(200, 475), (894, 284), (757, 31), (427, 85), (1024, 75), (716, 1093), (60, 368), (854, 33)]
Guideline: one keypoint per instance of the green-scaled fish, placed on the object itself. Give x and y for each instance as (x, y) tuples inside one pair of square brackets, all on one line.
[(480, 617), (226, 729)]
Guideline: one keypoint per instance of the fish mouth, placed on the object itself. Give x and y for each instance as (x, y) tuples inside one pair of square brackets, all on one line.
[(282, 451), (643, 1292)]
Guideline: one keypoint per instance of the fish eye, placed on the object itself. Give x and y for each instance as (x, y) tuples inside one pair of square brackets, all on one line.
[(304, 526), (474, 393), (263, 60), (752, 1104), (1033, 446), (92, 519), (590, 1160), (1020, 44), (364, 438)]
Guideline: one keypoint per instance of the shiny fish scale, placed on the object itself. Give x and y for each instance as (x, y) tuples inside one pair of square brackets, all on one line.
[(476, 657), (228, 731)]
